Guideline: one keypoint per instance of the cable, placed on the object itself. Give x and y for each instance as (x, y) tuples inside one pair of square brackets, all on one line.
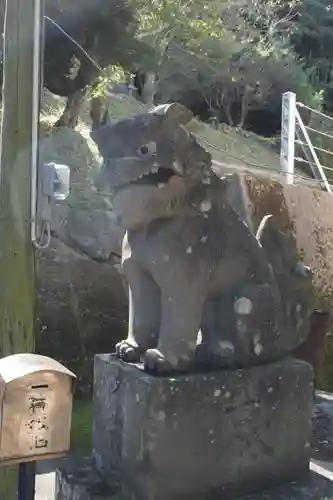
[(319, 132), (297, 141), (75, 43), (228, 153), (45, 230), (255, 165), (305, 180), (302, 160), (45, 239), (301, 105)]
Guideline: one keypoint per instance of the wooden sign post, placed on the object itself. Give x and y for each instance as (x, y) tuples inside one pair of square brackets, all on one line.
[(18, 154)]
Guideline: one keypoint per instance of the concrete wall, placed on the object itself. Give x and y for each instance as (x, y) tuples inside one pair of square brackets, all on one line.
[(306, 212)]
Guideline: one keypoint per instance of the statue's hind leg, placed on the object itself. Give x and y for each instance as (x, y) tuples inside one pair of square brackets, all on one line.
[(217, 347)]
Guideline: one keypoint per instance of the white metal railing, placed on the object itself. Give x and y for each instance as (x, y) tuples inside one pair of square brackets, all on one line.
[(294, 131)]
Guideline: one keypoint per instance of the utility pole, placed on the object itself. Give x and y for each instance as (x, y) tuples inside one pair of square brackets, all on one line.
[(17, 156)]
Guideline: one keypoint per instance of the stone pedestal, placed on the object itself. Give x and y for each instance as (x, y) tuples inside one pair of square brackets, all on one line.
[(198, 436), (81, 481)]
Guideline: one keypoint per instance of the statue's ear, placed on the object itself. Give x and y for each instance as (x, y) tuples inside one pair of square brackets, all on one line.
[(174, 113), (99, 113), (100, 122), (101, 137), (106, 120)]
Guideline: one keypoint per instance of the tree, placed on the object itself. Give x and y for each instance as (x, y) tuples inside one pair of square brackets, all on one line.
[(222, 60), (311, 33)]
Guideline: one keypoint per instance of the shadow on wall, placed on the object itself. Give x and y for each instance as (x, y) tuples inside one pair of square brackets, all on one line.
[(82, 309)]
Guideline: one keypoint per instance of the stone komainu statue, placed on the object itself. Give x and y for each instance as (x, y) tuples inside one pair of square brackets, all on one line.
[(191, 263)]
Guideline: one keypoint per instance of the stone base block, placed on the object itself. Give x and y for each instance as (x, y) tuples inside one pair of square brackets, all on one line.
[(81, 481), (199, 436)]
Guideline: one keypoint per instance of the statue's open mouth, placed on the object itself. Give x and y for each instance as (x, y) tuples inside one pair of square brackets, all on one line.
[(119, 174), (156, 176)]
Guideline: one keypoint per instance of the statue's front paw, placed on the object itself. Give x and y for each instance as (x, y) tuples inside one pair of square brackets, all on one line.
[(127, 352), (156, 362)]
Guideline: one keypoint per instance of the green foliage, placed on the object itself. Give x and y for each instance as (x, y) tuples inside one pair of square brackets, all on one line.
[(8, 483), (112, 75), (81, 425), (230, 57), (308, 25), (311, 32), (214, 52)]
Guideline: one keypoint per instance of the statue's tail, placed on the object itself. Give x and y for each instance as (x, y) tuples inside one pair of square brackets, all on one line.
[(262, 226)]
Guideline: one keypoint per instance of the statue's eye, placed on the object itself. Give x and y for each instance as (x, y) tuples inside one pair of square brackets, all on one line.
[(148, 149)]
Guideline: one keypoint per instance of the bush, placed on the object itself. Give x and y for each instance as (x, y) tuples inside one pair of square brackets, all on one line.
[(224, 68)]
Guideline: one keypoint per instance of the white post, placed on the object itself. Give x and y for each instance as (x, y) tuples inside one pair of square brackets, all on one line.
[(288, 126), (37, 78)]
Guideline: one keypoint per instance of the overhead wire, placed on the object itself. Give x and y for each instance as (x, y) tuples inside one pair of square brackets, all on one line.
[(319, 132), (316, 111)]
